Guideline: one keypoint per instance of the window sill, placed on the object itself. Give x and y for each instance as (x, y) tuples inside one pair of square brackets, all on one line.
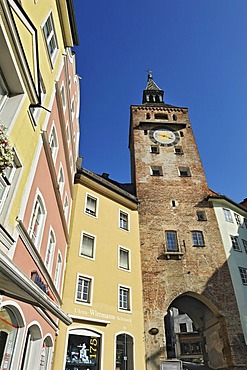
[(173, 255)]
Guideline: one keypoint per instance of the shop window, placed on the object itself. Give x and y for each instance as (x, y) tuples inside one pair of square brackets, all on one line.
[(124, 258), (46, 354), (171, 241), (124, 352), (123, 220), (8, 335), (91, 205), (83, 351)]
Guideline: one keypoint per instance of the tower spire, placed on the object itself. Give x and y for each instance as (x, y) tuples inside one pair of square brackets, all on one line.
[(152, 94)]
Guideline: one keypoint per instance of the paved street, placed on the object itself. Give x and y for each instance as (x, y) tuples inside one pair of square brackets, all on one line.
[(191, 366)]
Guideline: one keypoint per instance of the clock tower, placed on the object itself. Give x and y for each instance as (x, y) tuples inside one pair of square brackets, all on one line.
[(184, 264)]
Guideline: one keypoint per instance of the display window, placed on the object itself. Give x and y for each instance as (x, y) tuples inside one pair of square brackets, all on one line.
[(83, 351), (8, 333), (124, 352)]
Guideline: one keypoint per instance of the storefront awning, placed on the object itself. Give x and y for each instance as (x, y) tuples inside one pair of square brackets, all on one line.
[(14, 284)]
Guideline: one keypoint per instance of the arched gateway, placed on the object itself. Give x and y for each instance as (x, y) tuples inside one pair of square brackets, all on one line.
[(196, 331)]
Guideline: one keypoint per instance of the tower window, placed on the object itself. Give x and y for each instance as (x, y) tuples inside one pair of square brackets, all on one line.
[(198, 240), (201, 216), (156, 171), (174, 117), (184, 172), (181, 133), (161, 116), (148, 116), (154, 149), (171, 241), (145, 132), (173, 203), (178, 150)]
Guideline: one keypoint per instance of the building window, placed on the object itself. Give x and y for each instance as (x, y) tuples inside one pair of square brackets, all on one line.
[(4, 93), (183, 327), (61, 180), (243, 274), (6, 180), (227, 214), (184, 172), (83, 291), (235, 243), (124, 298), (178, 150), (124, 258), (171, 241), (37, 221), (66, 207), (201, 216), (156, 171), (124, 352), (154, 149), (237, 218), (245, 245), (50, 251), (53, 142), (174, 117), (50, 37), (58, 271), (161, 116), (91, 205), (87, 245), (198, 240), (123, 220), (63, 96), (245, 222)]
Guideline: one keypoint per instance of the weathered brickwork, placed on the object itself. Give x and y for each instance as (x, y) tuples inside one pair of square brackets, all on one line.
[(170, 203)]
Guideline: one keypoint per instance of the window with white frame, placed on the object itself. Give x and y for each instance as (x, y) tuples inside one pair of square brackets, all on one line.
[(53, 142), (37, 221), (84, 289), (61, 180), (50, 250), (87, 245), (6, 181), (50, 37), (63, 96), (237, 219), (123, 220), (124, 298), (124, 258), (184, 172), (198, 240), (4, 93), (235, 243), (243, 274), (66, 207), (58, 271), (228, 215), (91, 205), (156, 171)]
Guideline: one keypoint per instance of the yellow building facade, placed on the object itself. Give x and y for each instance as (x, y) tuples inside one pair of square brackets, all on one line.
[(102, 288)]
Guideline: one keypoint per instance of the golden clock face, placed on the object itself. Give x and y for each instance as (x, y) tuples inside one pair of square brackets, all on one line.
[(164, 137)]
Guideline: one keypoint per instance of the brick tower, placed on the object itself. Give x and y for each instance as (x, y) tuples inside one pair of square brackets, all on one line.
[(183, 259)]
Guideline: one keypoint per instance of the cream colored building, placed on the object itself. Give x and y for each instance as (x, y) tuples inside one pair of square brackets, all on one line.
[(102, 291)]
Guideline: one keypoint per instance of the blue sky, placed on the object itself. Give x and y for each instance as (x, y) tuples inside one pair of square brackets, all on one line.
[(197, 51)]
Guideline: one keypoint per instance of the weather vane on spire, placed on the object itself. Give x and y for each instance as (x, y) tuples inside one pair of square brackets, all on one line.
[(150, 72)]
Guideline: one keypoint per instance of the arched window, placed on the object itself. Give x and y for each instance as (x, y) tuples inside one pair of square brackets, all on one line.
[(61, 180), (46, 354), (50, 250), (124, 352), (66, 206), (53, 141), (37, 221), (32, 348), (58, 271), (174, 117), (9, 326)]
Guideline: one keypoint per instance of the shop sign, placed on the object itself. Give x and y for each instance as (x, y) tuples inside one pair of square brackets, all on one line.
[(38, 281)]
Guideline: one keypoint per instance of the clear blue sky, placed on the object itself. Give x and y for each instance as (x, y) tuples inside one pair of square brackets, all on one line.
[(197, 51)]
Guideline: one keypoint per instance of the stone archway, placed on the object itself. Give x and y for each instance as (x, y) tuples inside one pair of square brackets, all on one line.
[(209, 329)]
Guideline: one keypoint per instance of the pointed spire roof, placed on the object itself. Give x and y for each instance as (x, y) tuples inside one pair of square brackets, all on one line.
[(152, 95)]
